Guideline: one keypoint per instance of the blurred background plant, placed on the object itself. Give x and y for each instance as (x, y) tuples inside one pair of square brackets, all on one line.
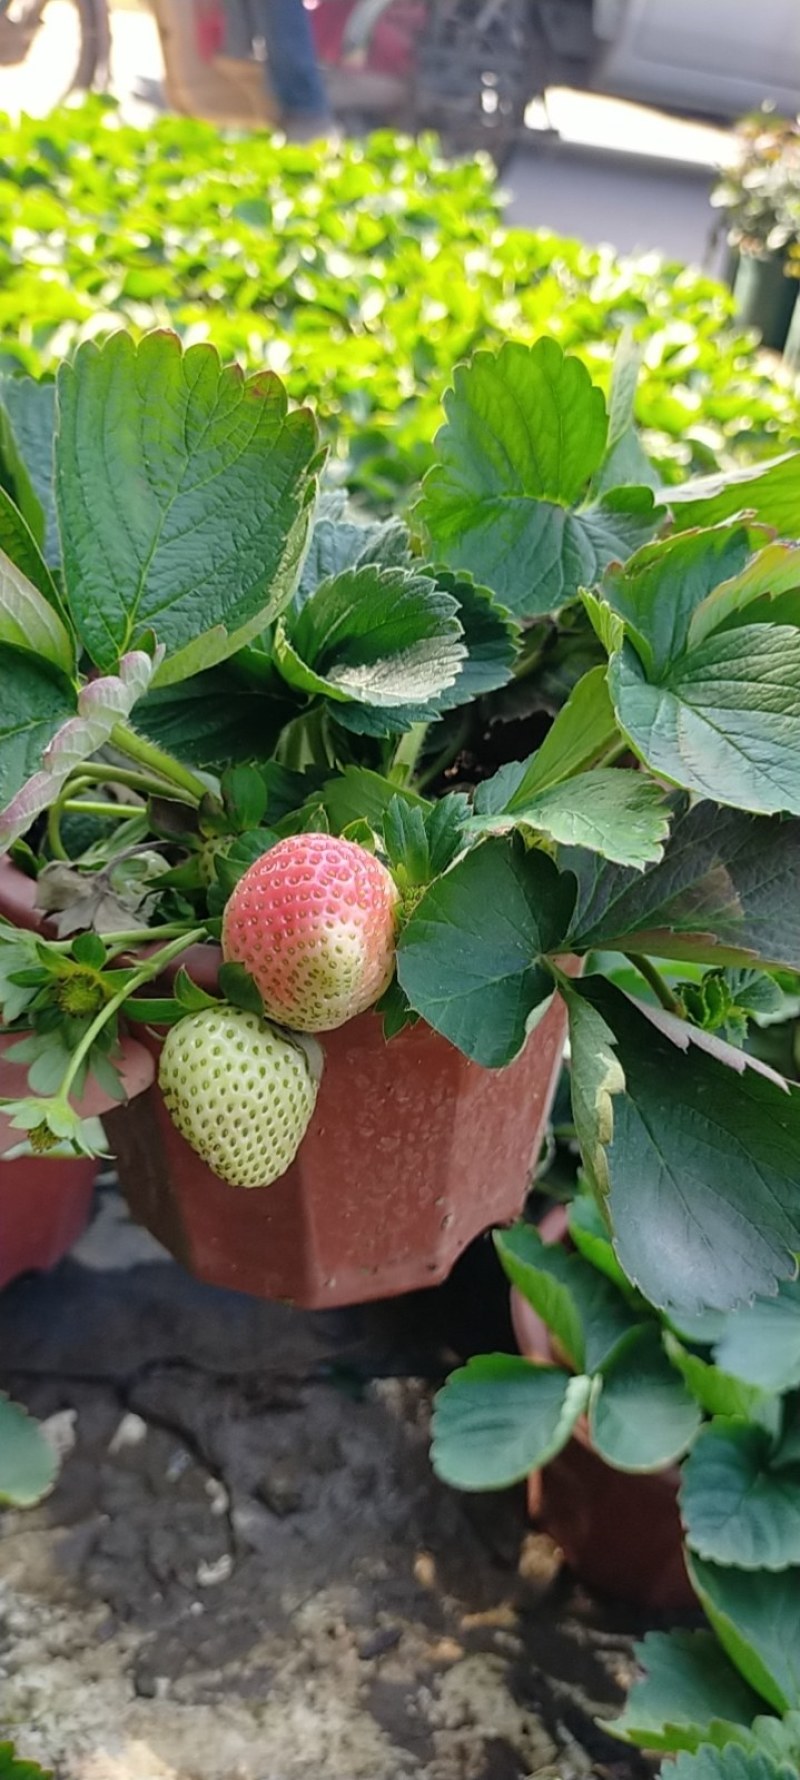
[(361, 272)]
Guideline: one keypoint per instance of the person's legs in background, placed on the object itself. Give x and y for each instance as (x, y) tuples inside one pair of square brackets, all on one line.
[(292, 68)]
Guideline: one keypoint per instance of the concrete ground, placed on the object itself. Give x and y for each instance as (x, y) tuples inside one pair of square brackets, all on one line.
[(247, 1570)]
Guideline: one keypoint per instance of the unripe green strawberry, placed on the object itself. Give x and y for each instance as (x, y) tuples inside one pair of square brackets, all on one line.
[(313, 923), (241, 1093)]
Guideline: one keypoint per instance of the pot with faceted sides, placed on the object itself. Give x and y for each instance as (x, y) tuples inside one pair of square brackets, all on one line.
[(45, 1201), (619, 1531), (412, 1152)]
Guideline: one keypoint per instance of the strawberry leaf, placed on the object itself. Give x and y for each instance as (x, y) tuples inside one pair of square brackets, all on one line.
[(183, 495)]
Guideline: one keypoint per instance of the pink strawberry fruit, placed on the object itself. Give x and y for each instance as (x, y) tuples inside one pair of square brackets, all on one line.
[(313, 923), (240, 1093)]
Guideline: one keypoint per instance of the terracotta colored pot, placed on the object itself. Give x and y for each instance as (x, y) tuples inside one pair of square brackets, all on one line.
[(44, 1200), (412, 1152), (44, 1208), (619, 1532)]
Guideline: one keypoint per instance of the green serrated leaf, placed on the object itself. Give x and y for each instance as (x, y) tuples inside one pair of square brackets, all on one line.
[(395, 1010), (725, 721), (499, 1418), (769, 492), (761, 1344), (687, 1685), (580, 734), (724, 892), (88, 948), (730, 1763), (581, 1308), (658, 590), (27, 427), (29, 622), (705, 1150), (35, 704), (183, 492), (642, 1417), (467, 958), (718, 1392), (385, 639), (525, 433), (735, 1507), (771, 573), (756, 1616), (596, 1076), (491, 639), (216, 718), (20, 546), (621, 814), (406, 842), (591, 1236)]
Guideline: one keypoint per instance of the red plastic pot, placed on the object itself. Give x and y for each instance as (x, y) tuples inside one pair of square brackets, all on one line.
[(619, 1532), (44, 1200), (412, 1152)]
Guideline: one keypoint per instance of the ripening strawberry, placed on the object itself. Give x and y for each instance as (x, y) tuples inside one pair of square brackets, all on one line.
[(313, 923), (240, 1093)]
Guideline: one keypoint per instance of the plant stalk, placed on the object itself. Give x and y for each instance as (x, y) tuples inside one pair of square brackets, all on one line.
[(144, 974), (148, 785), (86, 807), (54, 840), (652, 976), (155, 760)]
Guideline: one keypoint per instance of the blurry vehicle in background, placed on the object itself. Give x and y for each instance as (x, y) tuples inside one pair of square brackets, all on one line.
[(716, 58), (467, 68)]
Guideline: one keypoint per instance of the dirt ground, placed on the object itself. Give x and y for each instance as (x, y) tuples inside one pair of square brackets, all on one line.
[(247, 1570)]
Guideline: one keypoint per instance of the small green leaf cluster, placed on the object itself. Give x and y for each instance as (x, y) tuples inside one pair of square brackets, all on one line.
[(717, 1391)]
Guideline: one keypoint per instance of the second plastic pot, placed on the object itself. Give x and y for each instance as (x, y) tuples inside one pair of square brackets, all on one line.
[(619, 1531)]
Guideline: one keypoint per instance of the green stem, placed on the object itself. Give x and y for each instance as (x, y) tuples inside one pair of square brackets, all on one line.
[(144, 974), (148, 785), (86, 807), (407, 753), (652, 976), (141, 936), (155, 760), (54, 840)]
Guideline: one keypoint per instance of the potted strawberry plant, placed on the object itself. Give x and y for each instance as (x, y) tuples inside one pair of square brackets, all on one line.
[(254, 781), (760, 196), (613, 1491)]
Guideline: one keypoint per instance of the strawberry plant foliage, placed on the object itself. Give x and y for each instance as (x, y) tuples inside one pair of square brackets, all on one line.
[(226, 660)]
